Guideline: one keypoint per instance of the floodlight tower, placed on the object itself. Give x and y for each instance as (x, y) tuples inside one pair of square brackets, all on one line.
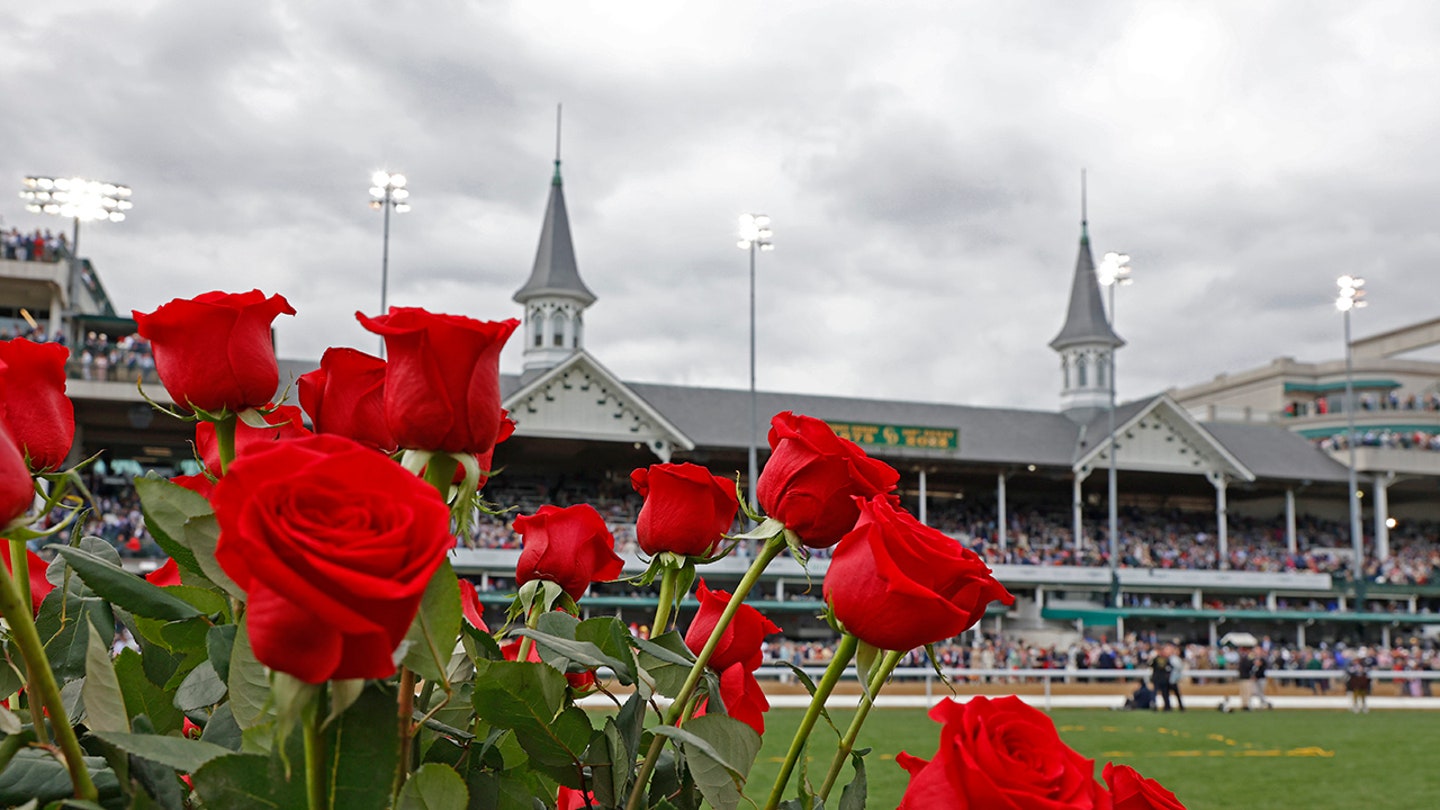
[(755, 235), (1114, 271), (1351, 297), (387, 191)]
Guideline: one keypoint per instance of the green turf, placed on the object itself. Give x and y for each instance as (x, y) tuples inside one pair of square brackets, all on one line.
[(1312, 760)]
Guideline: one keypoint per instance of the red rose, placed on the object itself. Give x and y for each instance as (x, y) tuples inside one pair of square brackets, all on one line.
[(200, 484), (743, 698), (288, 424), (1000, 755), (580, 682), (813, 476), (17, 488), (214, 351), (33, 401), (1131, 791), (686, 509), (571, 799), (897, 584), (442, 384), (572, 547), (740, 640), (333, 544), (470, 606), (167, 574), (39, 585), (346, 395), (486, 460)]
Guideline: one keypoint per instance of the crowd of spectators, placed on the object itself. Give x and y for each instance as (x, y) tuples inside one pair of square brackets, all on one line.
[(1134, 653), (124, 359), (1392, 439), (1389, 401), (36, 246)]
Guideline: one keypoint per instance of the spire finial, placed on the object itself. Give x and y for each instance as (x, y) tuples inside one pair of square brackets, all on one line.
[(1084, 213), (557, 144)]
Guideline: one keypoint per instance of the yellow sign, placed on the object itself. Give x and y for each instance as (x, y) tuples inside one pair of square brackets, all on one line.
[(906, 436)]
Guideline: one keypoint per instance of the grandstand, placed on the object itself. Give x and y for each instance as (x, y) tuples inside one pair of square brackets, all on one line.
[(1234, 506)]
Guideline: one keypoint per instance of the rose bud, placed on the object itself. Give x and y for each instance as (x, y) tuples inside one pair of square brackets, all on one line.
[(17, 488), (812, 477), (346, 395), (442, 383), (897, 584), (740, 640), (571, 547), (687, 510), (743, 698), (213, 352), (471, 607), (1131, 791), (32, 398)]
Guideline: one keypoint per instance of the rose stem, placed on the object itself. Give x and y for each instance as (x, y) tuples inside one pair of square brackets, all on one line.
[(847, 743), (438, 472), (22, 630), (21, 572), (770, 551), (843, 653), (532, 619), (668, 581), (225, 441), (315, 755)]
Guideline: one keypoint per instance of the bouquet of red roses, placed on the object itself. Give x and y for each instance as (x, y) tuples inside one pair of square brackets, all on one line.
[(309, 645)]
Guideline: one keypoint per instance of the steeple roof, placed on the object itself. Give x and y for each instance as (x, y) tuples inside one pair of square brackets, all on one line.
[(555, 272), (1086, 321)]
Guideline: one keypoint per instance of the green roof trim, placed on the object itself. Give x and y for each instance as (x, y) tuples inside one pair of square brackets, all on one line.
[(1330, 387)]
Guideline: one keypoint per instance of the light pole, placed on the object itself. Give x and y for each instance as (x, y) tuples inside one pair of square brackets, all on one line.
[(755, 234), (80, 200), (1350, 297), (1114, 271), (387, 191)]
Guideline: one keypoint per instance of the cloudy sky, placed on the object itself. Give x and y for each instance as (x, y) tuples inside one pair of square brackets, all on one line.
[(921, 161)]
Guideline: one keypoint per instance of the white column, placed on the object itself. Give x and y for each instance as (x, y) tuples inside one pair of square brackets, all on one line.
[(1300, 634), (1000, 519), (1382, 515), (1222, 531), (1075, 508), (1385, 636), (923, 496), (1213, 638), (1291, 544)]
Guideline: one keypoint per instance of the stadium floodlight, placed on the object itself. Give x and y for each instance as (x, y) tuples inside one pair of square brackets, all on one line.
[(387, 191), (1114, 271), (79, 200), (755, 234), (1351, 296)]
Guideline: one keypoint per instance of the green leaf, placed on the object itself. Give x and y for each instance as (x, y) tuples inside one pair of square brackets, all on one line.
[(34, 774), (124, 589), (222, 730), (219, 641), (143, 697), (56, 571), (201, 688), (587, 655), (530, 699), (104, 702), (166, 507), (666, 666), (433, 787), (248, 781), (766, 530), (363, 749), (613, 639), (64, 626), (182, 754), (201, 534), (720, 751), (249, 685), (436, 626), (853, 796)]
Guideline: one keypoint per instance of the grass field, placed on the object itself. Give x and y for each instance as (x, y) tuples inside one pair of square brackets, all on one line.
[(1309, 760)]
